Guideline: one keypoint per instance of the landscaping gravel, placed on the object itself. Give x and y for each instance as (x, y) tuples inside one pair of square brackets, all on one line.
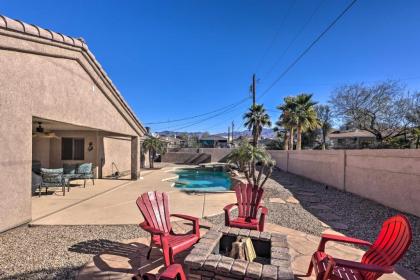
[(322, 206), (55, 252)]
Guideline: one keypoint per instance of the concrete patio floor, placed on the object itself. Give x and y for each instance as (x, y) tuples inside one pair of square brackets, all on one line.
[(112, 202), (116, 260)]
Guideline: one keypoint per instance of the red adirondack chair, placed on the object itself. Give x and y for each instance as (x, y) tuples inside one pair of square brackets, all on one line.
[(249, 198), (173, 272), (154, 207), (392, 243)]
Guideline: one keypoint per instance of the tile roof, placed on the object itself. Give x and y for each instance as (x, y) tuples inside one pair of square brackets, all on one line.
[(30, 29), (351, 134)]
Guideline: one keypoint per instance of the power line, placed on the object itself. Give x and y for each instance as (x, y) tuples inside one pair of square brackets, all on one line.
[(276, 35), (309, 47), (294, 38), (211, 117), (196, 116)]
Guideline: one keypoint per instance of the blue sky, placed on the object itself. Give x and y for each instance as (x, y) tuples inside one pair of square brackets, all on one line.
[(175, 59)]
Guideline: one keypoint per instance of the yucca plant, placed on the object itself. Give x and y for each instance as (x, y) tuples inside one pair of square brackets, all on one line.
[(246, 156)]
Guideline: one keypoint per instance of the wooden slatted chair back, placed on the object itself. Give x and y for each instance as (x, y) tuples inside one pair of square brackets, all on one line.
[(249, 199), (154, 206), (390, 246)]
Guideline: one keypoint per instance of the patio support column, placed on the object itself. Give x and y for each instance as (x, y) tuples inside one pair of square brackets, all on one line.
[(135, 158)]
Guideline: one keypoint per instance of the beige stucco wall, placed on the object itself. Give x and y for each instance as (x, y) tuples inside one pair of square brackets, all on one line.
[(117, 150), (183, 154), (390, 177), (53, 81), (41, 150)]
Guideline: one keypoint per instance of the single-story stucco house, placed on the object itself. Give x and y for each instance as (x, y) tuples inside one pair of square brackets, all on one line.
[(57, 105)]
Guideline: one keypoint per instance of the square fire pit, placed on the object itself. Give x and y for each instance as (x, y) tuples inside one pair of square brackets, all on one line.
[(209, 259)]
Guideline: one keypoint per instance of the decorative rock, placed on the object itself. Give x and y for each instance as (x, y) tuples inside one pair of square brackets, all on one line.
[(265, 236), (278, 244), (244, 232), (292, 200), (269, 272), (233, 231), (224, 229), (225, 264), (285, 274), (239, 267), (211, 262), (254, 270), (201, 251), (277, 200), (339, 226), (195, 261), (254, 234), (278, 237), (281, 263), (194, 276), (213, 235), (280, 254)]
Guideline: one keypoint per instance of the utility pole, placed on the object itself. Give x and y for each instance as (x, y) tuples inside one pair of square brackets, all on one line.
[(228, 138), (254, 89), (233, 126)]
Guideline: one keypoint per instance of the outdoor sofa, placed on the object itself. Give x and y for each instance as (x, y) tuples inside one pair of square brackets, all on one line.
[(83, 171)]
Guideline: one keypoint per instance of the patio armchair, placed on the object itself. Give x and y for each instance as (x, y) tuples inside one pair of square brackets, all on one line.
[(390, 246), (154, 207), (249, 199), (52, 178)]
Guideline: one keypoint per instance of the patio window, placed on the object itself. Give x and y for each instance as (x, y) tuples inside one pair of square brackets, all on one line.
[(72, 148)]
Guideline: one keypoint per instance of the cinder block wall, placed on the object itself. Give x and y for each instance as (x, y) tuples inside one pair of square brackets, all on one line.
[(184, 154), (390, 177)]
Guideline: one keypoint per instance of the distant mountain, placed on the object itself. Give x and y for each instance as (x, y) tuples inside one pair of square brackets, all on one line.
[(266, 133)]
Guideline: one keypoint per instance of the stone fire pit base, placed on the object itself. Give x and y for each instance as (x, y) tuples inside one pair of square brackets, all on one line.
[(205, 261)]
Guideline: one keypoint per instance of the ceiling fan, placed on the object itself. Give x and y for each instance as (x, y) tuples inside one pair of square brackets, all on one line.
[(41, 132)]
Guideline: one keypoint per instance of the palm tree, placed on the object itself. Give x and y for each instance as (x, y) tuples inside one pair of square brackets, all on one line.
[(281, 131), (153, 145), (325, 116), (305, 115), (288, 119), (255, 119)]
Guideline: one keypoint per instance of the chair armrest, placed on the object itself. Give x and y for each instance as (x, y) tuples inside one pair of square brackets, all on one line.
[(185, 217), (364, 267), (173, 272), (264, 210), (229, 207), (337, 238), (151, 230), (196, 222)]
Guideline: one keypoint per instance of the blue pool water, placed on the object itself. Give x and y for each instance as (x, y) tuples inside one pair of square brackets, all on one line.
[(204, 180)]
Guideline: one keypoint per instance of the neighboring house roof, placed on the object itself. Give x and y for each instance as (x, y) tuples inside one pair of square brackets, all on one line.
[(350, 134), (36, 31), (213, 138), (170, 139)]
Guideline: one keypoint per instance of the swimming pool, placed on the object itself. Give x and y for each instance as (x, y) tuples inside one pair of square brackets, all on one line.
[(204, 180)]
